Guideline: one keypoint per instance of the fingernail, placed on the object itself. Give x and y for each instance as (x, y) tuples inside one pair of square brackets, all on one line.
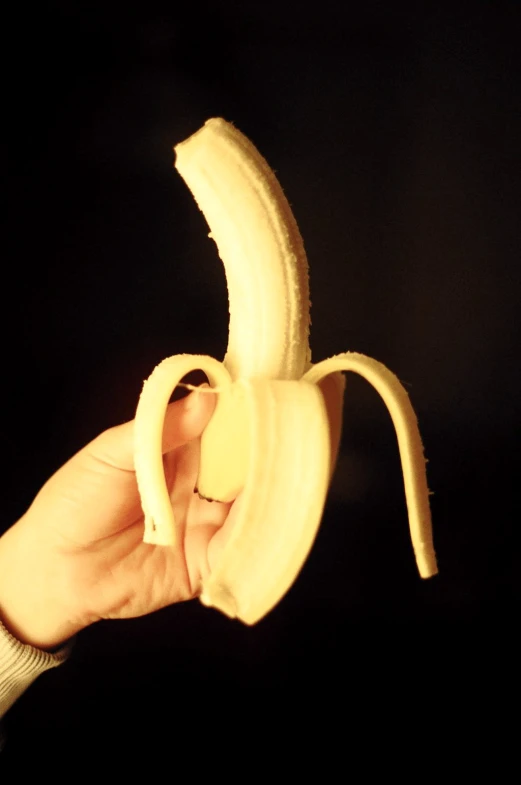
[(193, 399)]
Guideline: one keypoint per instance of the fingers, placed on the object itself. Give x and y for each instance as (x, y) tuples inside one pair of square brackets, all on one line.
[(184, 420)]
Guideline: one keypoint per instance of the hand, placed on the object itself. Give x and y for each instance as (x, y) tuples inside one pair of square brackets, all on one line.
[(77, 555)]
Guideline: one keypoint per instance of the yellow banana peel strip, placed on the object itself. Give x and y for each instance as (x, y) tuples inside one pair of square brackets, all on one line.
[(160, 526), (275, 431), (281, 507), (405, 423)]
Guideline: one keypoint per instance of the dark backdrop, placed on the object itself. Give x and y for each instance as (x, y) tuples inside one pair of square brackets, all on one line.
[(395, 133)]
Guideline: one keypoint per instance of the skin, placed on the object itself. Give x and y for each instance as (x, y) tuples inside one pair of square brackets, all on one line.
[(77, 555)]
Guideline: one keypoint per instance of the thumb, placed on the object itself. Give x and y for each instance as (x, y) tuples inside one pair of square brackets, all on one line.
[(185, 420)]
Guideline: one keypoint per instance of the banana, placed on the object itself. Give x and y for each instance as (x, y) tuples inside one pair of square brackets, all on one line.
[(275, 431)]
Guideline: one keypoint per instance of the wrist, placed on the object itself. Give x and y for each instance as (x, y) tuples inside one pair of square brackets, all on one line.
[(29, 608), (45, 637)]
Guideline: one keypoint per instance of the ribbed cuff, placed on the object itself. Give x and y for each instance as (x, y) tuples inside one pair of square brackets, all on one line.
[(21, 664)]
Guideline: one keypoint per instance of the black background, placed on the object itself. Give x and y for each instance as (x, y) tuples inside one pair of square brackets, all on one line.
[(395, 132)]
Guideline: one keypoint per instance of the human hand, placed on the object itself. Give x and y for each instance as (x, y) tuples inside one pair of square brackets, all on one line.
[(77, 555)]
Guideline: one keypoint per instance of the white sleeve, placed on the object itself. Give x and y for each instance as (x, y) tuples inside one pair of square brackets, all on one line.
[(21, 664)]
